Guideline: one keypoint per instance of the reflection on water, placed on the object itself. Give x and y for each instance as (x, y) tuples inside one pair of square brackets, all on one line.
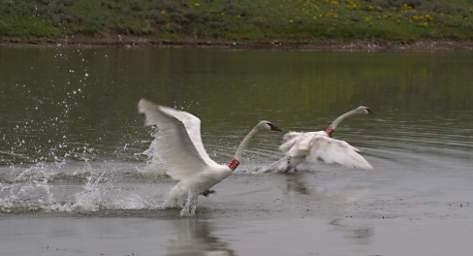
[(195, 237), (359, 234), (296, 183)]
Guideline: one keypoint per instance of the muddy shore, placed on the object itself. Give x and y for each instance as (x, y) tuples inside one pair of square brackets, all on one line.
[(331, 45)]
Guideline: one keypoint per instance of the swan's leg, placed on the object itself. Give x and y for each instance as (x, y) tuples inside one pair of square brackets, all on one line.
[(191, 204), (293, 163), (194, 204), (289, 165), (207, 192)]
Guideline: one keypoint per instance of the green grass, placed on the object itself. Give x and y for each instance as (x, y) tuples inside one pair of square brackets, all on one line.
[(402, 20)]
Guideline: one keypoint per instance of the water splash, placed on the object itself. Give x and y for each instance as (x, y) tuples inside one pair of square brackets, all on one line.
[(101, 194), (154, 164), (29, 191), (38, 189)]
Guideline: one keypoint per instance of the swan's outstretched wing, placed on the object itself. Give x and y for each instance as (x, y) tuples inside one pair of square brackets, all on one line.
[(333, 151), (178, 140), (315, 146)]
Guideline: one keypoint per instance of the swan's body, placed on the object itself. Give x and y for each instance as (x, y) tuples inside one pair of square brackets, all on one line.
[(180, 146), (311, 147)]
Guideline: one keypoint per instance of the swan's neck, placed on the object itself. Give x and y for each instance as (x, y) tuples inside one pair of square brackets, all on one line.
[(233, 164), (333, 126)]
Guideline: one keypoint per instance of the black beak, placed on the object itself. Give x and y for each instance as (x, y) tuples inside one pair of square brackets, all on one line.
[(274, 127)]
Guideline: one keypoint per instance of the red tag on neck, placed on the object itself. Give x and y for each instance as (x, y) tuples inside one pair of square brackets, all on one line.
[(329, 131), (233, 164)]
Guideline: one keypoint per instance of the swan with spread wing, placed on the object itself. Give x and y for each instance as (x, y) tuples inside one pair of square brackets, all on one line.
[(180, 146), (310, 147)]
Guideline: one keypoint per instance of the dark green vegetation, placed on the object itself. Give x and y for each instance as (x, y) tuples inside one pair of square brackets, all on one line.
[(259, 20)]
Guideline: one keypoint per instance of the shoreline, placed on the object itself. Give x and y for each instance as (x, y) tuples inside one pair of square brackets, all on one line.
[(321, 44)]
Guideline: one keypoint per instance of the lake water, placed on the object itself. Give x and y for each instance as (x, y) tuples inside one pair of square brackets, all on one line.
[(74, 179)]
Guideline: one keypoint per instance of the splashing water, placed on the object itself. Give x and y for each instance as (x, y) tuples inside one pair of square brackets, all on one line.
[(100, 194), (28, 191), (64, 187), (155, 165)]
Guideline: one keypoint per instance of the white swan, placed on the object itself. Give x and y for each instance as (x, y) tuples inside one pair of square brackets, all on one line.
[(180, 147), (309, 147)]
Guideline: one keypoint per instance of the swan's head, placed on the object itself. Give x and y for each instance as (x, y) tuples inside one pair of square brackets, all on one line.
[(363, 110), (268, 126)]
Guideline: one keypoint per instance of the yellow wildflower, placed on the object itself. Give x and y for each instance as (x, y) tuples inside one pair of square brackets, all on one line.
[(406, 7)]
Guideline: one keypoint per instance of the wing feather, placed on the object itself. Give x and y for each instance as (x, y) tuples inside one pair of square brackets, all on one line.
[(192, 125), (317, 147), (179, 142), (333, 151)]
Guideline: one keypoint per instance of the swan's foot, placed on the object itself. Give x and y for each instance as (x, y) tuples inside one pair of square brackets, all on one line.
[(207, 192), (190, 206)]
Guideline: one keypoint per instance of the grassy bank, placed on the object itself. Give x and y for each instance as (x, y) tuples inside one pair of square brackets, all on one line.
[(252, 20)]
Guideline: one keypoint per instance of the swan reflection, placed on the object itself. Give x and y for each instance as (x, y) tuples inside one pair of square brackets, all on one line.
[(296, 183), (360, 234), (195, 237)]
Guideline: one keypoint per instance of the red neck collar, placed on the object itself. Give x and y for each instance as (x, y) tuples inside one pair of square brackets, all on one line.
[(329, 131), (233, 164)]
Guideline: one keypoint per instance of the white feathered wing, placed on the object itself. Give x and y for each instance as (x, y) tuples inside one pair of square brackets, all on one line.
[(179, 141), (318, 147)]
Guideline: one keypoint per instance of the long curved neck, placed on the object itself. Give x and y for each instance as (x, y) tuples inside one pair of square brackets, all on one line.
[(244, 143), (233, 164), (333, 125)]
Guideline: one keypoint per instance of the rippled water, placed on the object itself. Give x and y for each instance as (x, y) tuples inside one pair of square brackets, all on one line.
[(74, 151)]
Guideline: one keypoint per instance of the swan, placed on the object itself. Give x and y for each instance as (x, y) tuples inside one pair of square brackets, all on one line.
[(307, 147), (180, 146)]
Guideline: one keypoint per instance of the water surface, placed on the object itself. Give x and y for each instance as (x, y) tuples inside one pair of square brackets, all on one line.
[(72, 166)]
